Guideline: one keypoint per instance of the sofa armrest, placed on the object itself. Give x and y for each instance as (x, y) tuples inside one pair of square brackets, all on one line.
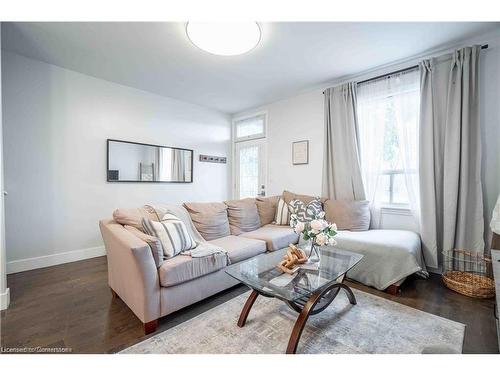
[(132, 272)]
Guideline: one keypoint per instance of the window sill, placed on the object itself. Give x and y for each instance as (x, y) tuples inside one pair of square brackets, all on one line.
[(396, 209)]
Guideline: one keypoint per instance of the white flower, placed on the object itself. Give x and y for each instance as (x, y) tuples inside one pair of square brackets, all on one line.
[(332, 242), (318, 225), (321, 239), (333, 226), (313, 232), (299, 227)]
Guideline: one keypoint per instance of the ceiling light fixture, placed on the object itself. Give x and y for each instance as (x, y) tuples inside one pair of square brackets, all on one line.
[(225, 39)]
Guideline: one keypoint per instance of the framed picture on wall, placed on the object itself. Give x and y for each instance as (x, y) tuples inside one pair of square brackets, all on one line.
[(300, 152)]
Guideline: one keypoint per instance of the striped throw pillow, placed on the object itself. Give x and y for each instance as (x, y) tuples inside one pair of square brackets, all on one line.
[(172, 232), (282, 213)]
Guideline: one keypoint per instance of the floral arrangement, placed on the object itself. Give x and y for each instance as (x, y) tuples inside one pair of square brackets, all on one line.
[(319, 231)]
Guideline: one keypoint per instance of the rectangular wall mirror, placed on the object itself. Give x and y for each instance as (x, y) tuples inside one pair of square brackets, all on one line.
[(140, 162)]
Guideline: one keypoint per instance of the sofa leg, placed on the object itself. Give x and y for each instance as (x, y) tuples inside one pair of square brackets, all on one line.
[(113, 293), (150, 327), (392, 289)]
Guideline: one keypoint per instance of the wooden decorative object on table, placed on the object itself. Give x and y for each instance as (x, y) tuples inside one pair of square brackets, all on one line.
[(293, 257)]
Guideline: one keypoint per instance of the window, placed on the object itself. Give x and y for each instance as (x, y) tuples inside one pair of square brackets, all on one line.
[(250, 127), (388, 113), (249, 156)]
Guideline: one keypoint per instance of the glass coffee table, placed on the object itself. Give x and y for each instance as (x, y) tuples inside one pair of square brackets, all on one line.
[(308, 291)]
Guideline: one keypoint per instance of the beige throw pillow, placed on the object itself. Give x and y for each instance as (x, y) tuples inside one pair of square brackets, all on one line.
[(210, 219), (348, 215), (266, 206), (134, 216), (243, 216)]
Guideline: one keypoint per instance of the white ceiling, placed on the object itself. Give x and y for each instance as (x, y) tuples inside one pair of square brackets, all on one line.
[(158, 57)]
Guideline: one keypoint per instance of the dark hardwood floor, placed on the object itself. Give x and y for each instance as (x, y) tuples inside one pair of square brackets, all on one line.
[(71, 306)]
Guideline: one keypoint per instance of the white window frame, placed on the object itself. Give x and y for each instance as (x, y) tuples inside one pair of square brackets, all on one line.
[(391, 204), (246, 117), (234, 140)]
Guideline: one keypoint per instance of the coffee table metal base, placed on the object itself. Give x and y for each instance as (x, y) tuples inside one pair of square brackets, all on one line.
[(316, 303)]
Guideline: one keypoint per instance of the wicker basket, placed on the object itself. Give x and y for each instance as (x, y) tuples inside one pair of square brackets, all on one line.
[(468, 273)]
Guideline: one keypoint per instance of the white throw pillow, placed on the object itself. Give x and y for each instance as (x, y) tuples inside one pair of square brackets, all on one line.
[(172, 232), (282, 213)]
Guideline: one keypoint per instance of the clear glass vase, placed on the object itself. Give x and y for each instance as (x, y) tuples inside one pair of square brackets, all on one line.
[(314, 254)]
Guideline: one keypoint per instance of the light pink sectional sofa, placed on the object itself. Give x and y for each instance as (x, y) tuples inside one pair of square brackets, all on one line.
[(153, 288)]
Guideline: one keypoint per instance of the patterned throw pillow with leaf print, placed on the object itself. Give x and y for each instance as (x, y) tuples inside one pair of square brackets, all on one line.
[(305, 212)]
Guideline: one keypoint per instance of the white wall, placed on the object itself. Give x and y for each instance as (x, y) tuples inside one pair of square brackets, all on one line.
[(295, 119), (4, 291), (301, 117), (56, 123)]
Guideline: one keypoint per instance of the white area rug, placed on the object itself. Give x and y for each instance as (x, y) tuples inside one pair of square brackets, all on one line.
[(374, 325)]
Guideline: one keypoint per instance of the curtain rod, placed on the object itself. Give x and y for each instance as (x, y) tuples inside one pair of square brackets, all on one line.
[(484, 46), (388, 74)]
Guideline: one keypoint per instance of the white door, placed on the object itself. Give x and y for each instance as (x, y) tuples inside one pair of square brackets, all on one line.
[(250, 169)]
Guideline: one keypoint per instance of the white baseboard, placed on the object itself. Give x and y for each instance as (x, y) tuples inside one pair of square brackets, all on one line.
[(5, 299), (54, 259)]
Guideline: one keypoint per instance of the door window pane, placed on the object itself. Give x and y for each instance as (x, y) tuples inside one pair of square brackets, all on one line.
[(249, 171)]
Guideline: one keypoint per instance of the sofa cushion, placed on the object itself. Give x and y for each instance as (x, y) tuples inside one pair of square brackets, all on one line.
[(240, 248), (275, 236), (243, 215), (348, 215), (182, 268), (305, 212), (153, 242), (134, 216), (282, 213), (266, 206), (210, 219), (288, 196)]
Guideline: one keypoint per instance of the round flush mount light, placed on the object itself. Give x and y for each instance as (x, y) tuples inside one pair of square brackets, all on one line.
[(225, 39)]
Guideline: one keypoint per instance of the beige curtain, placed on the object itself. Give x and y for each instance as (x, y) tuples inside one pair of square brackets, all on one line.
[(450, 155), (341, 169)]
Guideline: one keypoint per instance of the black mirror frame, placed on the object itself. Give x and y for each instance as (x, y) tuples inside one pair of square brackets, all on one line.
[(147, 144)]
